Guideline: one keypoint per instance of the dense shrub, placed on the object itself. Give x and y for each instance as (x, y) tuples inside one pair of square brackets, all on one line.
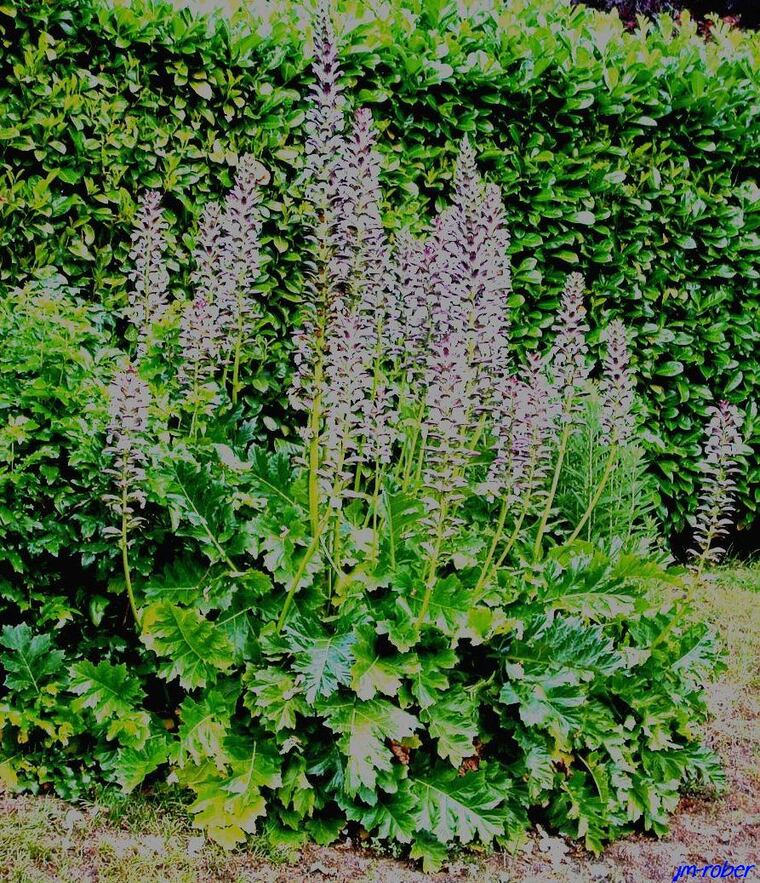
[(440, 607), (628, 156), (743, 12)]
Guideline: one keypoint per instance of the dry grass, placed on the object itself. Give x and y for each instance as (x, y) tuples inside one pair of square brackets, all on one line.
[(139, 840)]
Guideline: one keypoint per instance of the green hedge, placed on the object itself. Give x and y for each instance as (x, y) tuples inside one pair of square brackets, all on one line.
[(628, 156)]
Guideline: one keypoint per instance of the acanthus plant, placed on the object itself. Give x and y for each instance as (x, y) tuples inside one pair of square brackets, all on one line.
[(392, 624), (720, 464)]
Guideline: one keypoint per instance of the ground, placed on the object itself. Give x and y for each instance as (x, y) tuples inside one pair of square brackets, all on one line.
[(139, 840)]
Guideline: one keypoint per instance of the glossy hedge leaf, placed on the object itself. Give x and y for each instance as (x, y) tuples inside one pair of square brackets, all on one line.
[(114, 696), (195, 649)]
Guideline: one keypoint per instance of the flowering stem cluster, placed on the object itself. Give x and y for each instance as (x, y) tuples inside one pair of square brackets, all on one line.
[(719, 466), (403, 365), (409, 392), (215, 328), (129, 399)]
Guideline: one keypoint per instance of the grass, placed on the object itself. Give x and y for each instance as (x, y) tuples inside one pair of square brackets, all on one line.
[(729, 599), (139, 839)]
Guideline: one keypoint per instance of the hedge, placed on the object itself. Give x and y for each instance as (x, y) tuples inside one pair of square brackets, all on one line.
[(629, 156)]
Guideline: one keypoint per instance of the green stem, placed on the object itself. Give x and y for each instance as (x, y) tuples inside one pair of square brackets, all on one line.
[(433, 568), (564, 438), (421, 460), (593, 502), (702, 560), (337, 551), (308, 555), (194, 419), (314, 418), (486, 571), (125, 548), (513, 537), (412, 449), (236, 361)]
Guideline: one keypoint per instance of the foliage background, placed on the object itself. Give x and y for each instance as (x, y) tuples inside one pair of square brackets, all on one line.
[(631, 157)]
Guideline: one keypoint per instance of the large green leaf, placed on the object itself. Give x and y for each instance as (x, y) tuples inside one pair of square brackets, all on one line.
[(114, 696), (274, 696), (393, 817), (452, 721), (373, 672), (564, 643), (228, 801), (364, 729), (464, 807), (401, 513), (30, 662), (194, 649), (554, 702), (323, 661), (129, 767), (204, 725)]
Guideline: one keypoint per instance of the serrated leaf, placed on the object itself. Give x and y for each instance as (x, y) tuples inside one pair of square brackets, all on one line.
[(372, 672), (273, 696), (297, 791), (364, 728), (462, 807), (229, 802), (401, 514), (324, 662), (235, 620), (195, 649), (204, 725), (181, 582), (30, 662), (554, 703), (112, 694), (565, 644), (273, 478), (452, 721), (393, 817), (131, 766), (431, 852), (431, 678)]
